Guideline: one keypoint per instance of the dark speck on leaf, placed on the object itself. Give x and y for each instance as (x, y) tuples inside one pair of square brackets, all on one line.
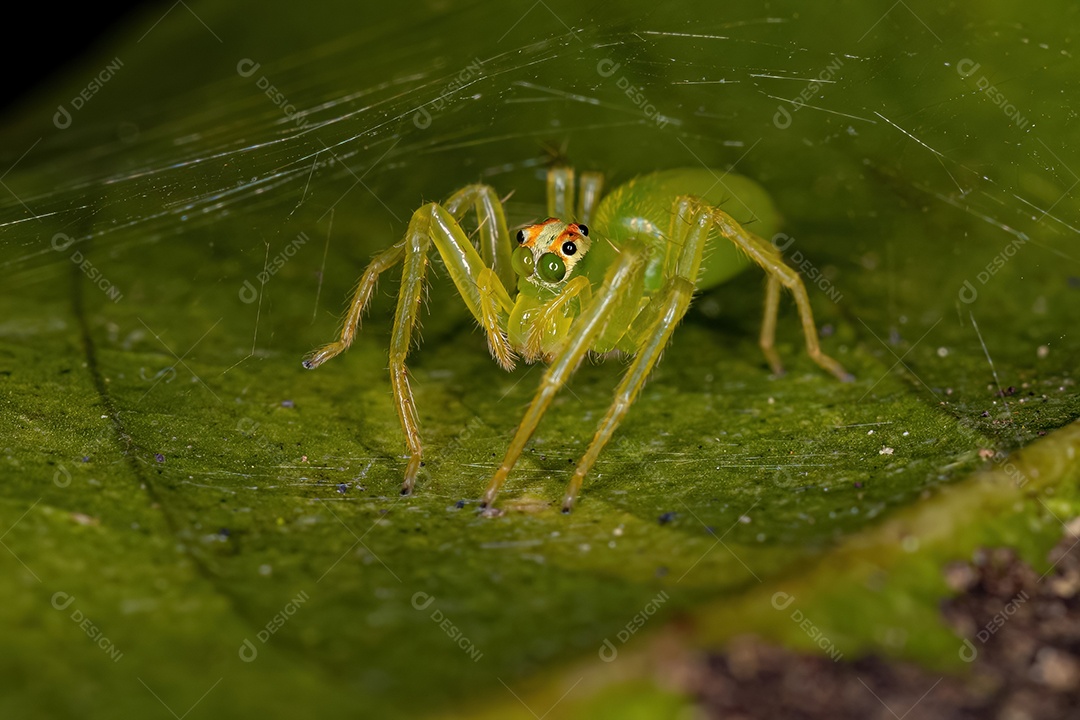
[(288, 403), (666, 518), (159, 457)]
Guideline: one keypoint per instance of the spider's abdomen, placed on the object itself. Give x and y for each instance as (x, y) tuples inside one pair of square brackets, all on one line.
[(641, 210)]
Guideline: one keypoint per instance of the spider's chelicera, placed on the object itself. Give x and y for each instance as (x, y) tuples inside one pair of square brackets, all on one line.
[(619, 277)]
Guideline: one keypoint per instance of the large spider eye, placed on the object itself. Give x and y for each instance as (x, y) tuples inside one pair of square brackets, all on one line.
[(521, 236), (522, 261), (551, 268), (583, 229), (569, 248)]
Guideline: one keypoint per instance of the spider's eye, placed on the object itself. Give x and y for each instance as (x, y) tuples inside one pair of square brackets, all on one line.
[(583, 229), (521, 236), (551, 268), (569, 248), (522, 261)]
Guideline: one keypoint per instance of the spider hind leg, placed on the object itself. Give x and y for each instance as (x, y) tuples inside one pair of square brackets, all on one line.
[(780, 274)]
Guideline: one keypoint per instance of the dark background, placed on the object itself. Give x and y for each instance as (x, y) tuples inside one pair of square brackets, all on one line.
[(54, 40)]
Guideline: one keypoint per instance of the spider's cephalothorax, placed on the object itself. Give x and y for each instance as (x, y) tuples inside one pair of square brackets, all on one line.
[(547, 252), (538, 298), (544, 262)]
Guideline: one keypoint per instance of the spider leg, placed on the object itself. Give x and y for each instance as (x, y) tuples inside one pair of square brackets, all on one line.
[(650, 332), (615, 303), (484, 295), (554, 311), (409, 296), (770, 260), (768, 325), (668, 307), (364, 289), (494, 253), (560, 192), (495, 243), (495, 306), (589, 188)]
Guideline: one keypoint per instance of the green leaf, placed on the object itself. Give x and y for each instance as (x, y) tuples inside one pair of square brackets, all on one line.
[(193, 523)]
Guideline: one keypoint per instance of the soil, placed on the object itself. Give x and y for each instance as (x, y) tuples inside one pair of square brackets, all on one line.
[(1023, 642)]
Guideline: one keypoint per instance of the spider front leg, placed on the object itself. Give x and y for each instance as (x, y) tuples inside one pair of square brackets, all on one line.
[(491, 226), (650, 332), (495, 249), (480, 288), (614, 304), (549, 314)]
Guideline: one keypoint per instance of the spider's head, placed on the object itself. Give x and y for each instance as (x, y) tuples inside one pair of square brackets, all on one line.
[(547, 252)]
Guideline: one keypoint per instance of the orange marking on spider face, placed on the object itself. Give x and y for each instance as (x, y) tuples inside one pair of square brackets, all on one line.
[(570, 234), (533, 232)]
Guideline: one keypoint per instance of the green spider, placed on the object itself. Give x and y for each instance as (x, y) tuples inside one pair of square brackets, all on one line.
[(618, 278)]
